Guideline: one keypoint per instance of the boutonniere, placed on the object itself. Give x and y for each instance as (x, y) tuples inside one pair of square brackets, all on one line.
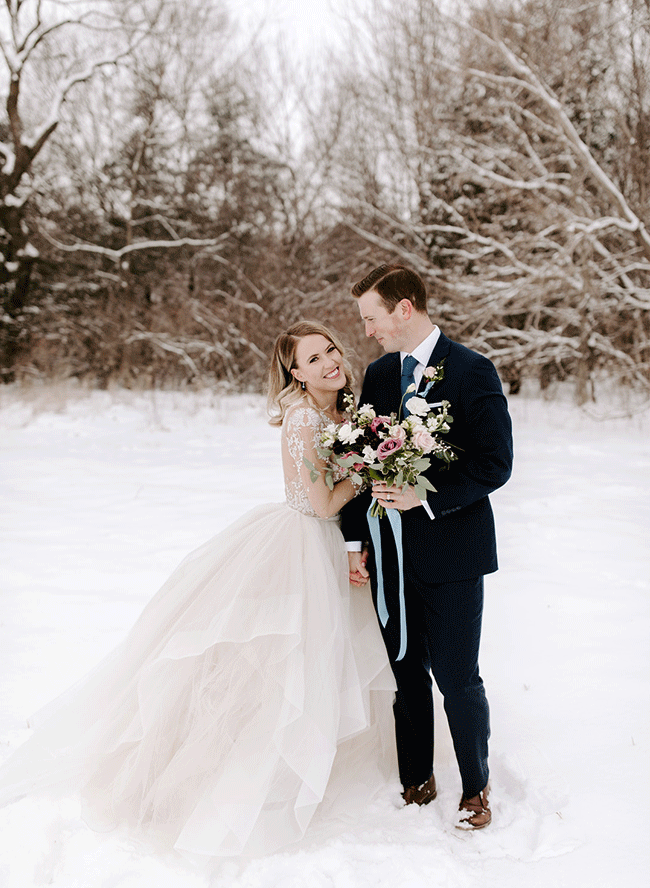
[(437, 373), (433, 375)]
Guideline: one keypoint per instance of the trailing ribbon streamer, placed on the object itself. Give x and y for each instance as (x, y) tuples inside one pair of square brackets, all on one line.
[(395, 521)]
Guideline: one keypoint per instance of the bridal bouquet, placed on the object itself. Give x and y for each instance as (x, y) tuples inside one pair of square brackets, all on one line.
[(379, 448)]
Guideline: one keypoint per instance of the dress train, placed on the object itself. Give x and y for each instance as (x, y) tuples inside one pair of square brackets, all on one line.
[(253, 690)]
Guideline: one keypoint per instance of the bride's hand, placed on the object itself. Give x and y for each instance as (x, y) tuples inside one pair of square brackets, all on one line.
[(359, 576)]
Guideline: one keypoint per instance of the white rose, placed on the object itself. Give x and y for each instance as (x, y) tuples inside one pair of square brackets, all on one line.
[(397, 432), (368, 454), (418, 406), (348, 434)]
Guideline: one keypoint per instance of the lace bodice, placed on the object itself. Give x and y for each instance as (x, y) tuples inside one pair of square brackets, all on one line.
[(300, 430)]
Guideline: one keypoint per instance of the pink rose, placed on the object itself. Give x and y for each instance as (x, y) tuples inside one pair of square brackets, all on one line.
[(390, 445), (424, 441), (378, 421), (351, 460)]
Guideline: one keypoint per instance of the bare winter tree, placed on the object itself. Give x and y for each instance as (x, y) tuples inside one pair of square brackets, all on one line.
[(152, 205), (48, 49), (498, 152)]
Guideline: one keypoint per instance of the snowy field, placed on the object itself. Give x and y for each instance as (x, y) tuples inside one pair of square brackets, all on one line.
[(101, 494)]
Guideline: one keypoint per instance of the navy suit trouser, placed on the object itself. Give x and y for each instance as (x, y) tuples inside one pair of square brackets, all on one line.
[(444, 632)]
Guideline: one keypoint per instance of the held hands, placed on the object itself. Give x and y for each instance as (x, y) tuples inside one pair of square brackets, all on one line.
[(395, 497), (389, 498), (359, 576)]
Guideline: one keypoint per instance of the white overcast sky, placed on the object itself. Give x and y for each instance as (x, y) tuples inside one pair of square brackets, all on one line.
[(305, 25)]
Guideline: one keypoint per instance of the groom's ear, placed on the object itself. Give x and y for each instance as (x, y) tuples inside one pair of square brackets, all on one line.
[(406, 308)]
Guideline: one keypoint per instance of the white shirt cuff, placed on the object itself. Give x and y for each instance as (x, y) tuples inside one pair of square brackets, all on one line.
[(353, 546)]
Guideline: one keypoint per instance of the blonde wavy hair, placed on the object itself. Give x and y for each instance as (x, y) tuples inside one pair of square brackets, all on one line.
[(284, 390)]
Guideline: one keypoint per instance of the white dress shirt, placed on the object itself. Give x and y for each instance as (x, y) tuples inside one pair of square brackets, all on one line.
[(422, 354)]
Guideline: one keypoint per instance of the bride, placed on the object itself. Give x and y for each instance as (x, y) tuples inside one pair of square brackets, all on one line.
[(254, 688)]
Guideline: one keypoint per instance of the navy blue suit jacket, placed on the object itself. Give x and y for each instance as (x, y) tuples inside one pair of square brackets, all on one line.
[(460, 542)]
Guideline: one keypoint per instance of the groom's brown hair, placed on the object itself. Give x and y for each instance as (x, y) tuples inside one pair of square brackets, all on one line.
[(394, 283)]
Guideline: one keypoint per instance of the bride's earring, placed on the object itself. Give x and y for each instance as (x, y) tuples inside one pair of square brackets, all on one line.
[(303, 386)]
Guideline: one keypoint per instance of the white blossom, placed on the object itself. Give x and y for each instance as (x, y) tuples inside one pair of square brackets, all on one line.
[(328, 435), (367, 412), (348, 434), (398, 432), (418, 406)]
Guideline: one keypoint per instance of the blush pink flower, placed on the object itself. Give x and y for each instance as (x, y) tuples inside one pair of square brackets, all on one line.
[(396, 431), (424, 441), (356, 466), (378, 421), (390, 445)]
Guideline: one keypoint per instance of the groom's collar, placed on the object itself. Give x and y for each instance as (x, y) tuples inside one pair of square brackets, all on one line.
[(423, 351)]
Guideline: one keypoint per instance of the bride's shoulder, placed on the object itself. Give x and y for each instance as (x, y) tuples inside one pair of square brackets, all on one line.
[(302, 415)]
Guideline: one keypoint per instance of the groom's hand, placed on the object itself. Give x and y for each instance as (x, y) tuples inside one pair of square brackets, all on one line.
[(395, 497), (358, 574)]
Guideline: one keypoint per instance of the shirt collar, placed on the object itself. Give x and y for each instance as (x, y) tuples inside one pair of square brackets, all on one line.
[(423, 351)]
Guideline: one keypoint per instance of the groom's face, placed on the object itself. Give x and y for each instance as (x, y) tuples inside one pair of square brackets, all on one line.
[(388, 328)]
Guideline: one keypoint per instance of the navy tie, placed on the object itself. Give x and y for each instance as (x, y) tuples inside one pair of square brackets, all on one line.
[(408, 366)]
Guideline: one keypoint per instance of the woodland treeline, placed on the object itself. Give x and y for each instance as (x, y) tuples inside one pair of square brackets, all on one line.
[(173, 193)]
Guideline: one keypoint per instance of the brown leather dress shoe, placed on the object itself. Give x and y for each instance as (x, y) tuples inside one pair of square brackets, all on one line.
[(477, 809), (421, 795)]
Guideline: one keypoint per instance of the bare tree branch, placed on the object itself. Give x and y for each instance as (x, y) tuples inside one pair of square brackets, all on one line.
[(528, 80), (118, 255)]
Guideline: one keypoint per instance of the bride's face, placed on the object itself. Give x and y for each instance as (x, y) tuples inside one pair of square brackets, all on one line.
[(319, 364)]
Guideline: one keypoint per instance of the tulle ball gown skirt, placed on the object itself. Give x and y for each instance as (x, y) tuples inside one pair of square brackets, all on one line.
[(253, 690)]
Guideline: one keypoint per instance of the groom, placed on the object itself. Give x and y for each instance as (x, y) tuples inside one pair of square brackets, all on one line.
[(448, 541)]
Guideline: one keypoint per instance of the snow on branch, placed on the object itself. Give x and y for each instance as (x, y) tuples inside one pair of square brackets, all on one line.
[(64, 88), (118, 255), (542, 182), (526, 79), (390, 246)]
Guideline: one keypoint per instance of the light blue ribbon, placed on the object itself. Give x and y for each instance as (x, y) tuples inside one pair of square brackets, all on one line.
[(395, 521)]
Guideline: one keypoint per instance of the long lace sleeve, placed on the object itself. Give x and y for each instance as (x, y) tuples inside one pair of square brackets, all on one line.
[(300, 432)]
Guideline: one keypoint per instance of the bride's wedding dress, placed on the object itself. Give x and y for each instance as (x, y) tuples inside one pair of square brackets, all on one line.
[(253, 690)]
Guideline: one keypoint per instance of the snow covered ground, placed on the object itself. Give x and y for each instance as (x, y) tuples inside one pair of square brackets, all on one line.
[(102, 493)]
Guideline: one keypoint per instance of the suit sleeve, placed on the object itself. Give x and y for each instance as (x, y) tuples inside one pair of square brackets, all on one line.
[(485, 460), (354, 524)]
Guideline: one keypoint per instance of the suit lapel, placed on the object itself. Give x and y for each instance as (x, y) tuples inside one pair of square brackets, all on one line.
[(387, 395), (440, 351)]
